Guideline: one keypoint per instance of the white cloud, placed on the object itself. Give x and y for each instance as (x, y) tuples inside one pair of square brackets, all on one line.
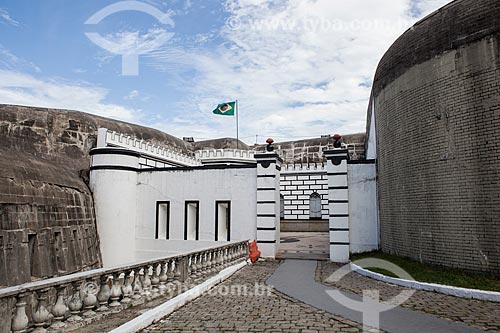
[(7, 19), (132, 95), (299, 68), (24, 89), (8, 60), (425, 7), (132, 42)]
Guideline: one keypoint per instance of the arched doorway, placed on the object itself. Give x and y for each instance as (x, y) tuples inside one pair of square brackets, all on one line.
[(315, 206)]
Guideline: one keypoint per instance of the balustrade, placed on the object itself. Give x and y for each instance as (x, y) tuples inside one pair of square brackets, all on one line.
[(67, 300)]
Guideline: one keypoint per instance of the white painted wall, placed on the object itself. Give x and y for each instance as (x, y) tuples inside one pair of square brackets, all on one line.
[(115, 197), (149, 249), (363, 214), (371, 151), (125, 203), (207, 187)]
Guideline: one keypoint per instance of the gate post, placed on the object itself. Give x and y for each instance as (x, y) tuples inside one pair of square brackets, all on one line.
[(338, 204), (268, 203)]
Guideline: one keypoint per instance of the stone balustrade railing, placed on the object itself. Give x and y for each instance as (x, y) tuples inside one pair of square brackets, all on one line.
[(106, 138), (64, 302)]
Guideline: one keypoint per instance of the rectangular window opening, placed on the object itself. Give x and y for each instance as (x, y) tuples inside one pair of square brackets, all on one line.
[(223, 221), (162, 220), (191, 220)]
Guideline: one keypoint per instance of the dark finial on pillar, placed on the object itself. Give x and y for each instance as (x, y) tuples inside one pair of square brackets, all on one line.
[(337, 143), (270, 146)]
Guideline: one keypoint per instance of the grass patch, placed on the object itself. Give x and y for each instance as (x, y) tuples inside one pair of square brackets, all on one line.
[(435, 274)]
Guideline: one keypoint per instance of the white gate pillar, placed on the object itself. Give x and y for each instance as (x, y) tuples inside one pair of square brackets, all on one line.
[(338, 203), (268, 203)]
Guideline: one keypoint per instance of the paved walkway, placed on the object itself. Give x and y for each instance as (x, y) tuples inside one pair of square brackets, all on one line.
[(485, 315), (249, 311), (296, 278), (301, 304)]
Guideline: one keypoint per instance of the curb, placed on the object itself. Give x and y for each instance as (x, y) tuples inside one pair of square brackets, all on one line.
[(167, 308), (490, 296)]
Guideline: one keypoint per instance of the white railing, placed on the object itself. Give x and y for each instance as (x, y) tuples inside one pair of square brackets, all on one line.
[(71, 301), (107, 138)]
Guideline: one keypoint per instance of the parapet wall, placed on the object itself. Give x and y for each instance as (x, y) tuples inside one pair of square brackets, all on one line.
[(437, 110), (107, 138)]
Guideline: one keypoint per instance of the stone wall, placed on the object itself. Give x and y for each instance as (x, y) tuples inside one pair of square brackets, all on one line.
[(310, 151), (46, 208), (437, 115)]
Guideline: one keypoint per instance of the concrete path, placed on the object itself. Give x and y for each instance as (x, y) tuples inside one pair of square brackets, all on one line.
[(295, 278)]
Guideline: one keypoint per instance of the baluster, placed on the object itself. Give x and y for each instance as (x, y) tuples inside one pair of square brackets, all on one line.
[(155, 281), (203, 264), (163, 277), (127, 288), (194, 267), (189, 270), (116, 291), (199, 272), (234, 254), (75, 303), (225, 256), (41, 316), (208, 269), (177, 274), (59, 309), (90, 299), (104, 294), (137, 284), (20, 320), (170, 277), (211, 262), (146, 282), (219, 260), (231, 254), (237, 252), (244, 251)]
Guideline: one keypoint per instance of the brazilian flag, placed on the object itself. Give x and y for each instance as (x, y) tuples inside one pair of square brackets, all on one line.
[(225, 109)]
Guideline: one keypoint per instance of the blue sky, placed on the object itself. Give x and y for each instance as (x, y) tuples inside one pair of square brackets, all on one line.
[(299, 68)]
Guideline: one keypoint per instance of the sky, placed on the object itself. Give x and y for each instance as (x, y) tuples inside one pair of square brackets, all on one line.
[(298, 68)]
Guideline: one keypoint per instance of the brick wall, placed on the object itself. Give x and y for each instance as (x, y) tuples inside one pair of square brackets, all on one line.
[(296, 189), (438, 133)]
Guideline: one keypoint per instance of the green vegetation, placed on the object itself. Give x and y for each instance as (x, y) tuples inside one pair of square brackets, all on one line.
[(435, 274)]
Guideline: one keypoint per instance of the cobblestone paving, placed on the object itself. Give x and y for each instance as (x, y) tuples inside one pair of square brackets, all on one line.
[(272, 312), (484, 315)]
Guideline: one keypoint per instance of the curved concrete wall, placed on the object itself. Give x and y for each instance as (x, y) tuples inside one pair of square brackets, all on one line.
[(436, 97)]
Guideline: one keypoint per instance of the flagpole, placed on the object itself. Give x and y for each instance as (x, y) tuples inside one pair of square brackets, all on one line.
[(237, 126)]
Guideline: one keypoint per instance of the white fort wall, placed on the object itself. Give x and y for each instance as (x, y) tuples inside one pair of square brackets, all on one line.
[(129, 183), (125, 203), (129, 177), (205, 186), (363, 210)]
